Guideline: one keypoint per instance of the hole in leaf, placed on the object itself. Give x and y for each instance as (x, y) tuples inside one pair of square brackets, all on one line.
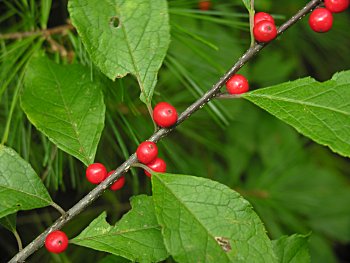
[(114, 22)]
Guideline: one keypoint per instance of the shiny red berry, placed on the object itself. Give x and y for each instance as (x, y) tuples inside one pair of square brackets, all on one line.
[(147, 152), (321, 20), (96, 173), (204, 5), (336, 6), (262, 16), (158, 165), (237, 84), (56, 242), (164, 114), (117, 184), (264, 31)]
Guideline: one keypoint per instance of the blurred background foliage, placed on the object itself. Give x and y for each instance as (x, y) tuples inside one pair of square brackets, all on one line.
[(294, 184)]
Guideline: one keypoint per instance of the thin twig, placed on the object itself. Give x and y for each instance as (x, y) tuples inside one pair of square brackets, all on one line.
[(45, 32), (209, 95)]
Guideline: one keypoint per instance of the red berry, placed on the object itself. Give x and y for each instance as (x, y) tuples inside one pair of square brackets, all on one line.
[(204, 5), (262, 16), (96, 173), (264, 31), (147, 152), (237, 84), (336, 6), (56, 242), (158, 165), (164, 115), (321, 20), (117, 184)]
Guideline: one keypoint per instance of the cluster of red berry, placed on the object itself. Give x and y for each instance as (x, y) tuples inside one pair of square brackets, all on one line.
[(321, 19), (164, 115), (264, 29)]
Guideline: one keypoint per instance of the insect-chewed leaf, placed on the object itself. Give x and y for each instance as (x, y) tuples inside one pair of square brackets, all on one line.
[(125, 37), (136, 236), (320, 111), (66, 105), (20, 187), (204, 221)]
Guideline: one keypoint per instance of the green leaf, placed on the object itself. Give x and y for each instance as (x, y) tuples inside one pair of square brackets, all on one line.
[(204, 221), (125, 37), (66, 105), (293, 249), (20, 186), (136, 236), (113, 259), (318, 110), (9, 222)]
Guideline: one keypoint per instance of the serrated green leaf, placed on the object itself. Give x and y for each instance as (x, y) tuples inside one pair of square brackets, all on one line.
[(20, 186), (320, 111), (136, 236), (204, 221), (9, 222), (124, 37), (293, 249), (66, 105)]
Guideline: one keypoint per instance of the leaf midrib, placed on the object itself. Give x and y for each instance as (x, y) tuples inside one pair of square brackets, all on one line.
[(83, 152), (133, 59), (299, 102)]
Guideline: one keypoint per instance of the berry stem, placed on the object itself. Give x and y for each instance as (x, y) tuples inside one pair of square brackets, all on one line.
[(59, 209), (18, 239), (209, 95), (251, 22), (143, 166)]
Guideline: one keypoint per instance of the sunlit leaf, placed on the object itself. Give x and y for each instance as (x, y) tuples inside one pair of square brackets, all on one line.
[(204, 221), (320, 111)]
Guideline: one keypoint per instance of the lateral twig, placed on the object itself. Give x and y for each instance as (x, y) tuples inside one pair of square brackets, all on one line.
[(209, 95), (44, 32)]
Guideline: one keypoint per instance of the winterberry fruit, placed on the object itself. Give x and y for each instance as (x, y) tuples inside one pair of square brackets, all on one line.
[(237, 84), (336, 6), (321, 20), (164, 114), (56, 242), (117, 184), (204, 5), (157, 165), (264, 31), (262, 16), (96, 173), (147, 152)]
